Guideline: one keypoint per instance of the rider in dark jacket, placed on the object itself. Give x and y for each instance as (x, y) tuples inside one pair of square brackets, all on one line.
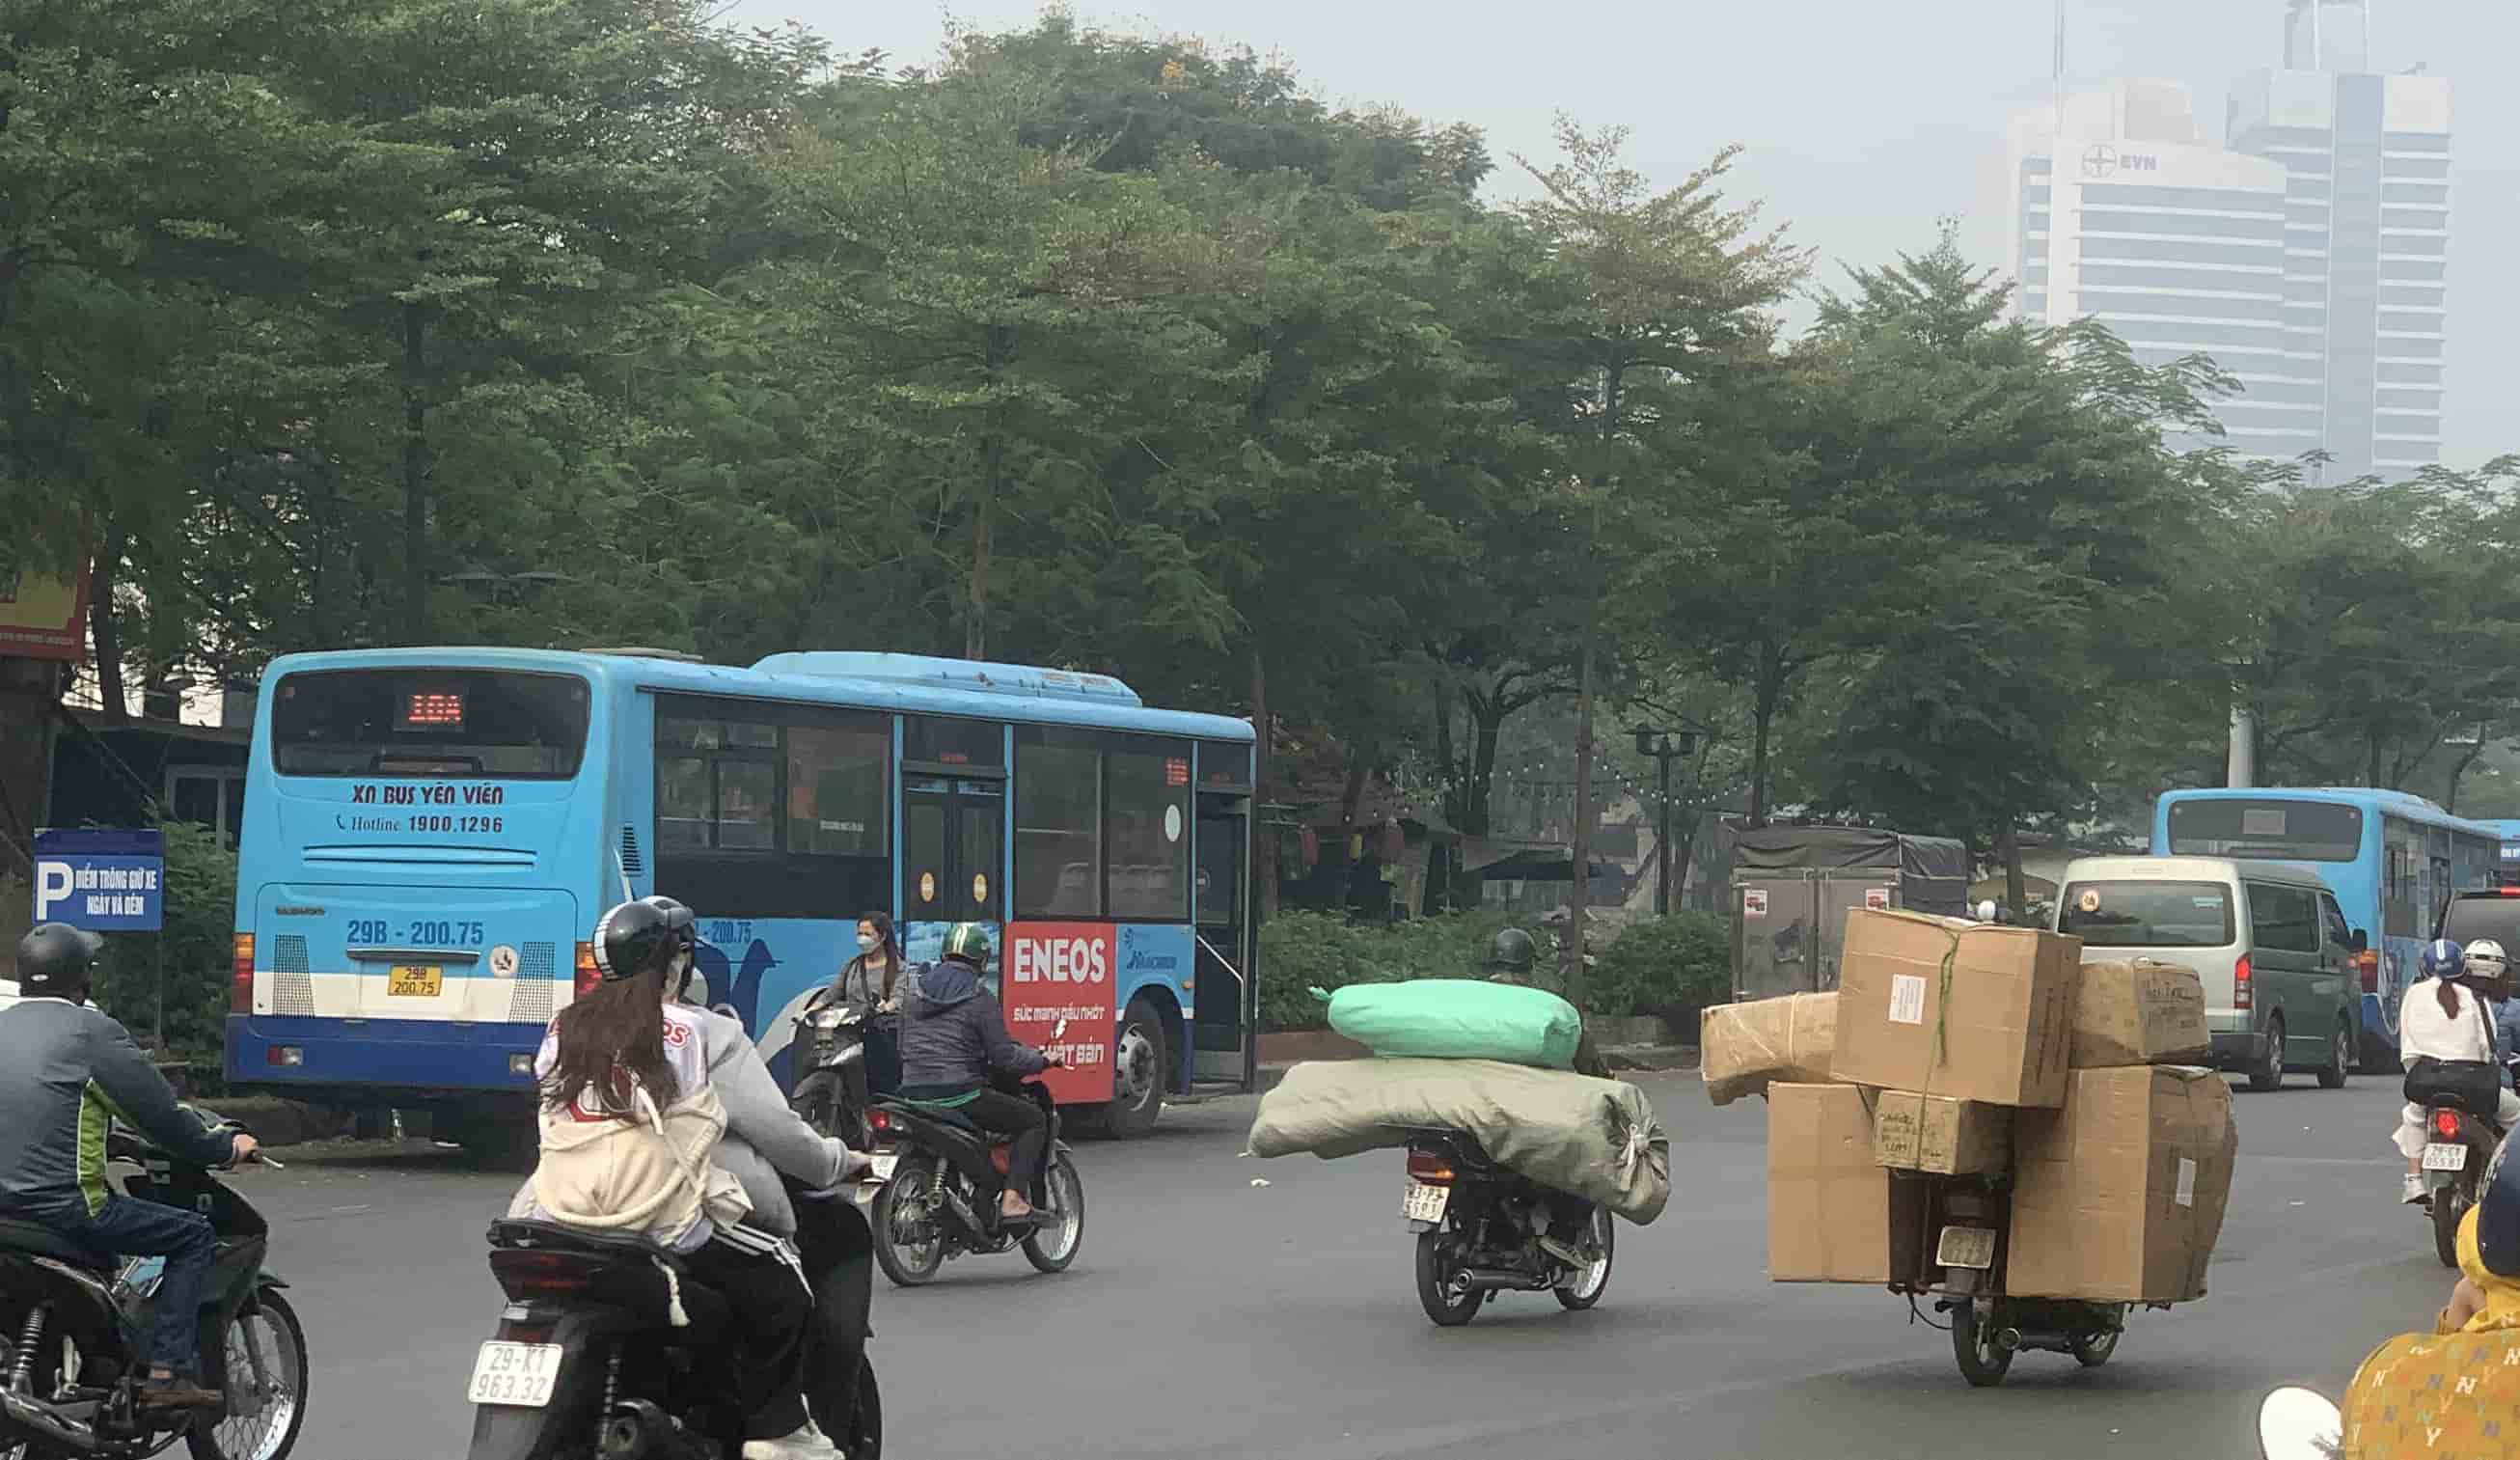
[(953, 1040), (1512, 957), (66, 1072)]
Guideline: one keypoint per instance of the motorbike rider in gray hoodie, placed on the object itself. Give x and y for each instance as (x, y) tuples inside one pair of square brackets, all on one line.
[(954, 1039)]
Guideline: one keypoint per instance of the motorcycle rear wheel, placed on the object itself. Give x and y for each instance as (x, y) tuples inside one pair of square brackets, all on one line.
[(908, 1265), (1441, 1287), (2449, 1206), (273, 1328)]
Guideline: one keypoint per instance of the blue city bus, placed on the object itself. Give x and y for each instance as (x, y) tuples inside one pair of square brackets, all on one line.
[(430, 834), (2393, 860)]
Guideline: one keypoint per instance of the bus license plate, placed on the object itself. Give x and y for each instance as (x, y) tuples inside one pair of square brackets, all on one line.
[(2441, 1157), (415, 983), (1425, 1204), (517, 1374), (1965, 1247)]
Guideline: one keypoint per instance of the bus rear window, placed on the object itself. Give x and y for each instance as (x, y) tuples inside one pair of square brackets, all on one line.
[(421, 725), (2147, 914), (2266, 830)]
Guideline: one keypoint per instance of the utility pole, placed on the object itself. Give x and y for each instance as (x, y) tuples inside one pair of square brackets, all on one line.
[(1663, 747)]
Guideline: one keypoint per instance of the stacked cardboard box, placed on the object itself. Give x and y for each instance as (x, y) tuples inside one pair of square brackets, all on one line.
[(1744, 1048), (1969, 1050)]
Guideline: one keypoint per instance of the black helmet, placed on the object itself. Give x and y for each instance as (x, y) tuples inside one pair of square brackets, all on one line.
[(686, 923), (636, 938), (1512, 952), (56, 959)]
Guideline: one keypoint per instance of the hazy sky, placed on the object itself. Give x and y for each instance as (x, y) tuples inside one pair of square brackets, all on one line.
[(1863, 120)]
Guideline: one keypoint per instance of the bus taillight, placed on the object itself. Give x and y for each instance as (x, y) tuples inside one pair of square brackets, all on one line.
[(588, 976), (240, 976), (2368, 964)]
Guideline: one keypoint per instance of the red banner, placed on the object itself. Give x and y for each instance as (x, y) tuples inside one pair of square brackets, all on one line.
[(1055, 972)]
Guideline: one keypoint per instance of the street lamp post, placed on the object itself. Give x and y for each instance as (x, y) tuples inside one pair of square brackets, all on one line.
[(1662, 747)]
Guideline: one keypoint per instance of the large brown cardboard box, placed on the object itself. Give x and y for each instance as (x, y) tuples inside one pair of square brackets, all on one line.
[(1939, 1135), (1743, 1048), (2140, 1013), (2119, 1197), (1943, 1006), (1828, 1201)]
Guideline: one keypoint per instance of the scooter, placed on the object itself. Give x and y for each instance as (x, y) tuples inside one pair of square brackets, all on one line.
[(942, 1177), (589, 1360), (2299, 1423), (73, 1319), (1484, 1230), (2458, 1145), (831, 1052)]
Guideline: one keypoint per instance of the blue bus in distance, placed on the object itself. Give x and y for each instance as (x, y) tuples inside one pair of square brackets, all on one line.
[(430, 834), (2393, 860)]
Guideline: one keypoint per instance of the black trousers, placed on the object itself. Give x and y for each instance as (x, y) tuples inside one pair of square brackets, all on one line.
[(839, 1253), (1002, 1114), (772, 1315)]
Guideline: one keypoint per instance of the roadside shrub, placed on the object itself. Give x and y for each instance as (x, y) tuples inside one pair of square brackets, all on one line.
[(1299, 950), (1671, 967)]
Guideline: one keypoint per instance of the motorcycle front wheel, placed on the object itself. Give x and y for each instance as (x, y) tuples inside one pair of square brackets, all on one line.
[(909, 1199), (1051, 1248), (267, 1386)]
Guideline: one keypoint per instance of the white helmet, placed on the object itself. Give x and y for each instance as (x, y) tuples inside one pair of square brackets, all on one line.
[(2486, 960)]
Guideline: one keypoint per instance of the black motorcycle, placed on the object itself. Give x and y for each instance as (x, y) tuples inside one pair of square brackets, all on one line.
[(830, 1056), (72, 1319), (944, 1176), (588, 1362), (1484, 1230)]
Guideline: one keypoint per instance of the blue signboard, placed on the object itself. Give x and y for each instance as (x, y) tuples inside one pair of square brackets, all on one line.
[(102, 881)]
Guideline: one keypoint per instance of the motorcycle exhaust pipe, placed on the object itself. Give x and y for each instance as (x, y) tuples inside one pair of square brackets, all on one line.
[(2015, 1340), (1500, 1279), (40, 1419), (965, 1223)]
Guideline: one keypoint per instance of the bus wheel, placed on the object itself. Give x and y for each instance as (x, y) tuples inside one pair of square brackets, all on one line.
[(1141, 1069)]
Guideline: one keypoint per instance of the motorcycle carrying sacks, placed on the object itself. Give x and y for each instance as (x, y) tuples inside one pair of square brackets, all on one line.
[(1593, 1138), (1460, 1019)]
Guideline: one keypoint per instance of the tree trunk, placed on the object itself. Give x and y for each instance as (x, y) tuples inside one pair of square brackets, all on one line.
[(993, 461), (1265, 840), (103, 622), (1487, 724), (1683, 852), (414, 476), (2008, 848), (1767, 694)]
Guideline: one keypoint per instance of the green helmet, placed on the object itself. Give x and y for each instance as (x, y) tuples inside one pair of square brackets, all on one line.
[(968, 942)]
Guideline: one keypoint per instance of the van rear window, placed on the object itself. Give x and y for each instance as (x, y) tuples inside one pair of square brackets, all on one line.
[(422, 724), (2147, 914), (2472, 916)]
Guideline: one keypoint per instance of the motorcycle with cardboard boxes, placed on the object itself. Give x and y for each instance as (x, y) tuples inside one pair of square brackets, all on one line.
[(1978, 1118)]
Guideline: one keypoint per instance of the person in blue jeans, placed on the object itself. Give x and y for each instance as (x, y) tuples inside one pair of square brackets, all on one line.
[(66, 1072)]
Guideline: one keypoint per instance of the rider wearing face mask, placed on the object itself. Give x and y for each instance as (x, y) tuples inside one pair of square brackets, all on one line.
[(871, 980)]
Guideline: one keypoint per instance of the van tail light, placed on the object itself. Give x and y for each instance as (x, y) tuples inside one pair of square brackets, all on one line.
[(1429, 1167), (2446, 1124), (588, 975), (2368, 964), (240, 976), (2242, 996)]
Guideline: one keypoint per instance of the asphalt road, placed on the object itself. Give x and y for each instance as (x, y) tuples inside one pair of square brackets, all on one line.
[(1212, 1317)]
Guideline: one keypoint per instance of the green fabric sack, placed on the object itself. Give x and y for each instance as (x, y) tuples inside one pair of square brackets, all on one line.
[(1460, 1019)]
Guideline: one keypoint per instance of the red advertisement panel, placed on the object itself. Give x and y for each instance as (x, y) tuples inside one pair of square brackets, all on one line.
[(1063, 970), (43, 617)]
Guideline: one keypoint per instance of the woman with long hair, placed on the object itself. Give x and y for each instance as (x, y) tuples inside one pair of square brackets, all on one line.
[(630, 1121), (873, 979), (2444, 1018)]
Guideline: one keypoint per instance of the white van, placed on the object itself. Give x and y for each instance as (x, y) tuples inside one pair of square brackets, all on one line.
[(2268, 939)]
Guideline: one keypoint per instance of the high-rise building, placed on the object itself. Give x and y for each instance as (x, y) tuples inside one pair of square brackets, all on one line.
[(2308, 253), (2124, 211), (2366, 243)]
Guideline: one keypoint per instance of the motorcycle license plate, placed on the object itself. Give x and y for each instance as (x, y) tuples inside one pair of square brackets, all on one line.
[(1965, 1247), (885, 1163), (2441, 1157), (1425, 1204), (517, 1374)]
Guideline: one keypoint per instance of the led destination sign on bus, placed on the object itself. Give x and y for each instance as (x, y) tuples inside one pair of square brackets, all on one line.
[(431, 709)]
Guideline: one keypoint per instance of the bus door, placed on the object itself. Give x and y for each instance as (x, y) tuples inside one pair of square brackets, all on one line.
[(1220, 886), (953, 851)]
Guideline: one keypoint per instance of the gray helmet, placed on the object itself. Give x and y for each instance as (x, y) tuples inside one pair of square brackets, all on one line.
[(1512, 952), (57, 959)]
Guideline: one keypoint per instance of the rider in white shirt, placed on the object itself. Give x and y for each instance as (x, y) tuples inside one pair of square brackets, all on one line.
[(2445, 1019)]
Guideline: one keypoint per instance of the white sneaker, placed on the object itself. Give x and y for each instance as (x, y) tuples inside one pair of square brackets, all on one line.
[(808, 1443), (2416, 1193)]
